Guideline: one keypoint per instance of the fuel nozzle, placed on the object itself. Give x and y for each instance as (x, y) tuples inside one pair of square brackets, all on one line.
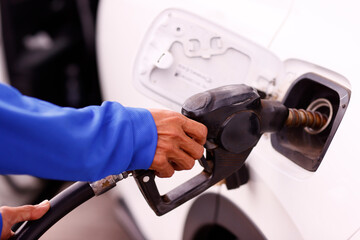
[(236, 117)]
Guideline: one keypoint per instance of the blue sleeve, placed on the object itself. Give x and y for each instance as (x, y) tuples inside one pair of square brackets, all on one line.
[(48, 141), (1, 224)]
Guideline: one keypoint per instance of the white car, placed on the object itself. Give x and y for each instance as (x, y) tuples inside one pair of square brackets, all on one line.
[(156, 54)]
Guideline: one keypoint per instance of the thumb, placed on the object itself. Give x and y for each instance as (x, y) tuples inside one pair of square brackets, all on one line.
[(12, 215), (30, 212), (40, 210)]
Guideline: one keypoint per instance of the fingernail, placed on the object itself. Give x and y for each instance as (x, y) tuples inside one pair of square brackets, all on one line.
[(43, 203)]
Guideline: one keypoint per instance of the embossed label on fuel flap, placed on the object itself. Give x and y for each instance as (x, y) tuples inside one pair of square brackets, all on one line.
[(193, 76)]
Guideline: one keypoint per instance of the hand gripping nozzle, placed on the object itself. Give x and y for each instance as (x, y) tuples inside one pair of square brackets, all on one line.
[(236, 117)]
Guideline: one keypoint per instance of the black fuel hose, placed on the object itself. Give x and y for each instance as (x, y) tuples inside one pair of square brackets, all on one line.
[(61, 205)]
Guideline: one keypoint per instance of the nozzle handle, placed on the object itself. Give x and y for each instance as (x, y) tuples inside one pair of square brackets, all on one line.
[(162, 204), (222, 164)]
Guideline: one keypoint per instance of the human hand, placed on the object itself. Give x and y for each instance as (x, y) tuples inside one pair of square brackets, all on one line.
[(13, 215), (180, 142)]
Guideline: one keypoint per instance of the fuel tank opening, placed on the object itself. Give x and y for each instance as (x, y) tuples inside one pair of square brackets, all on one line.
[(314, 119), (311, 99), (324, 107)]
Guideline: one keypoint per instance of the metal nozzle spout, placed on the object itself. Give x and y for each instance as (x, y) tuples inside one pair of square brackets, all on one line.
[(303, 118), (314, 119)]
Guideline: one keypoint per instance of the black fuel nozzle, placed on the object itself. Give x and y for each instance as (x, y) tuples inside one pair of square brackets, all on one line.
[(228, 113), (236, 117)]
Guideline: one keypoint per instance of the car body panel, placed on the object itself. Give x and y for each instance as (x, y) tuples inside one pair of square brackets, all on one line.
[(284, 200)]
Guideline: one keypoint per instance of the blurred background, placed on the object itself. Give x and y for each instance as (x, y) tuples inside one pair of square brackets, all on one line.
[(49, 53)]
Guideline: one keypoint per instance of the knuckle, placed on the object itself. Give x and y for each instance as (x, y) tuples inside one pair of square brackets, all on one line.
[(158, 161), (203, 132), (171, 173), (180, 117), (190, 164), (5, 210), (198, 155), (168, 173), (164, 145), (167, 146), (171, 148), (199, 152), (176, 118), (175, 135), (162, 167), (28, 208)]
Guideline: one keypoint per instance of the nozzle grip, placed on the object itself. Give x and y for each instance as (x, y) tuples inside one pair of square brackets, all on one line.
[(162, 204), (224, 164)]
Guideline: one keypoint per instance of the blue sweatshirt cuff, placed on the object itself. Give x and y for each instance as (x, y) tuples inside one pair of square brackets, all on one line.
[(145, 137), (1, 224)]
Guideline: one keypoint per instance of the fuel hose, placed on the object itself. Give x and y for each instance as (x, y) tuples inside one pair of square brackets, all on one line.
[(61, 205), (65, 202)]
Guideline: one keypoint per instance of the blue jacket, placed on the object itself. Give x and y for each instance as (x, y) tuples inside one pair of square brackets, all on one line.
[(44, 140)]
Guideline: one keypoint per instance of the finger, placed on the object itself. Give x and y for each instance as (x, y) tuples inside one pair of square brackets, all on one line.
[(161, 166), (29, 212), (175, 166), (196, 130), (40, 210), (193, 148), (165, 173), (182, 160)]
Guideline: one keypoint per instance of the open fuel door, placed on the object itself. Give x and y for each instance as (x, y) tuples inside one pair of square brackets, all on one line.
[(314, 88), (183, 54)]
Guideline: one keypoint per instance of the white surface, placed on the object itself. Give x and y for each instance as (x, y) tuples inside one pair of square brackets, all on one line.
[(193, 50), (119, 41), (284, 200)]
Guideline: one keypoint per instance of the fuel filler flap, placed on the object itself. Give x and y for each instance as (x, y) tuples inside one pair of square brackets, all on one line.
[(183, 54)]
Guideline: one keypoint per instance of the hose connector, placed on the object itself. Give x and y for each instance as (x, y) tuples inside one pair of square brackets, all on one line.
[(103, 185)]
